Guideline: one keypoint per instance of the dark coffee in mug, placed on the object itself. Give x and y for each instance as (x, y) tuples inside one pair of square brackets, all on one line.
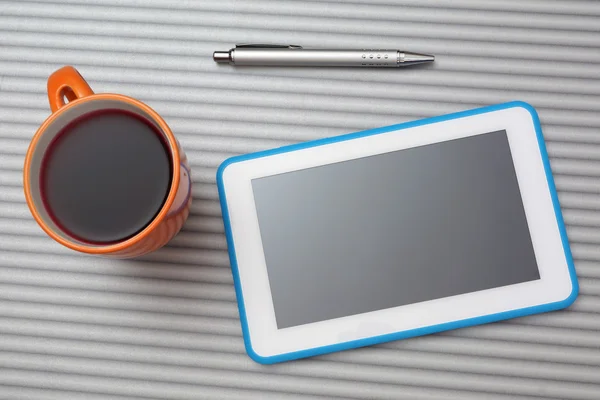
[(106, 176)]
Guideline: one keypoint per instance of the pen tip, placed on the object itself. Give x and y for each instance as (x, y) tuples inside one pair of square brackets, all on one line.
[(416, 58)]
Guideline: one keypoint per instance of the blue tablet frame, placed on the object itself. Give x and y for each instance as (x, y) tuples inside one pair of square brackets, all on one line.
[(412, 332)]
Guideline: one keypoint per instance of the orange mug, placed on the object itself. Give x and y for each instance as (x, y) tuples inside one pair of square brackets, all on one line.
[(67, 83)]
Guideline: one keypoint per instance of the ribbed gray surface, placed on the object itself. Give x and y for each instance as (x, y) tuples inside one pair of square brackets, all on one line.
[(167, 327)]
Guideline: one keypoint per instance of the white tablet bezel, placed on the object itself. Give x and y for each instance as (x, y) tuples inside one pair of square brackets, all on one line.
[(263, 336)]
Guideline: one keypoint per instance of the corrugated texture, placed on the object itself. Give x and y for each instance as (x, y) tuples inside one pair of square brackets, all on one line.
[(167, 327)]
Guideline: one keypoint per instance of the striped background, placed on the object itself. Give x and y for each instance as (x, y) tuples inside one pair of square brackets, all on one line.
[(167, 327)]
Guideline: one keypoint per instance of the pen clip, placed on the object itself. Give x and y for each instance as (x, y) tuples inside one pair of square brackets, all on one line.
[(268, 46)]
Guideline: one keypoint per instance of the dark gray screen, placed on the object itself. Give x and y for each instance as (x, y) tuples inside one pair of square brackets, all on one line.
[(393, 229)]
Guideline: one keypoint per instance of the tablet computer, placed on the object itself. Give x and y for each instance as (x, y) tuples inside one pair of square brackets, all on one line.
[(395, 232)]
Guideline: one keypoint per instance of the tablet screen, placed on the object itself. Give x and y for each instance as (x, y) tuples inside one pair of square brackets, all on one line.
[(393, 229)]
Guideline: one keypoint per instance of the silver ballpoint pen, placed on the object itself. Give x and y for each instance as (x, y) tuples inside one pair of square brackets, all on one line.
[(297, 56)]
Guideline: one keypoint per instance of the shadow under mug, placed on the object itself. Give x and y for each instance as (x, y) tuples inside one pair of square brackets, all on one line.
[(67, 83)]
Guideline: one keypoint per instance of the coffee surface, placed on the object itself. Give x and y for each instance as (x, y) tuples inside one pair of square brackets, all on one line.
[(106, 176)]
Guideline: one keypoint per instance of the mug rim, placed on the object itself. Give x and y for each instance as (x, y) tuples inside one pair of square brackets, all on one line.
[(158, 219)]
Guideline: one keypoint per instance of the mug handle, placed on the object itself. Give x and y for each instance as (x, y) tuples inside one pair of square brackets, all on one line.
[(67, 83)]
